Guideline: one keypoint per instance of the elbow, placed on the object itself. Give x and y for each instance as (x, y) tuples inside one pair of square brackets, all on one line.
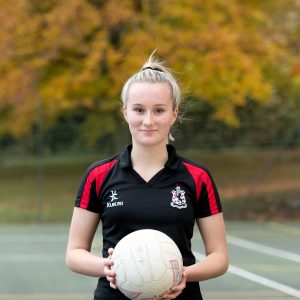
[(221, 270), (225, 265), (69, 261), (222, 266), (225, 269)]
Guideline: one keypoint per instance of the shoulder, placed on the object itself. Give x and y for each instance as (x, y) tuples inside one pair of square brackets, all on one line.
[(193, 167), (104, 163), (101, 167)]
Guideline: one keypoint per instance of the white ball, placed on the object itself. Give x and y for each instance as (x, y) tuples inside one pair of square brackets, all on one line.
[(147, 264)]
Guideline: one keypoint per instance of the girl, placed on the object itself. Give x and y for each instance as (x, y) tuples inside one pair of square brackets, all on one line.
[(148, 185)]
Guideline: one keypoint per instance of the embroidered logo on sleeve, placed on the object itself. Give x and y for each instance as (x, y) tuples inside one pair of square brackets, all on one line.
[(113, 196), (178, 198), (113, 200)]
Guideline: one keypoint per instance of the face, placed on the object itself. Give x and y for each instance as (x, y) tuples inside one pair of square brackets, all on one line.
[(149, 113)]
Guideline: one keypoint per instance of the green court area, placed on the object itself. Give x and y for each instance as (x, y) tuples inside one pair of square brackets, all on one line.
[(264, 263)]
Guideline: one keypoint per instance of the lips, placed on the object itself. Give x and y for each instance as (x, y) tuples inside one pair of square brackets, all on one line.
[(148, 130)]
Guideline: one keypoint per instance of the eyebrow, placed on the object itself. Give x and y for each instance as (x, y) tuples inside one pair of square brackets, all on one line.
[(139, 104)]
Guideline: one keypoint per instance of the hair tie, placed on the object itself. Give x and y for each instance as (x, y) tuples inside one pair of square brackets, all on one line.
[(154, 69)]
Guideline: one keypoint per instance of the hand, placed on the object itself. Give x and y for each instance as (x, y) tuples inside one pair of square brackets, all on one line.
[(110, 275), (177, 289)]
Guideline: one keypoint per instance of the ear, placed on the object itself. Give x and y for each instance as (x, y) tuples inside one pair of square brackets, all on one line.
[(175, 114), (124, 111)]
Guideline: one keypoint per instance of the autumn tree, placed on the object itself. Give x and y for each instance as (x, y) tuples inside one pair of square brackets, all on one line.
[(72, 57)]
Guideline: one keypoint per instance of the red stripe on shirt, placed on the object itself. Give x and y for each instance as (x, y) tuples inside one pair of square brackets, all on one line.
[(194, 171), (99, 173), (211, 194), (199, 175)]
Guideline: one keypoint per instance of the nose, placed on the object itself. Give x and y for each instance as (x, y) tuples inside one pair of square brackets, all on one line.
[(148, 120)]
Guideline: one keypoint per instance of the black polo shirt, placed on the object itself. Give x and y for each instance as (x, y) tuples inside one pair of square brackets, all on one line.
[(170, 202)]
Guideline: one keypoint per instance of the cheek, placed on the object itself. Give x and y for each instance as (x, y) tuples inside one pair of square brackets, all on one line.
[(166, 122), (133, 120), (169, 120)]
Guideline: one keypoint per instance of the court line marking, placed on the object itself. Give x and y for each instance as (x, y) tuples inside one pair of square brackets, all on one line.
[(241, 294), (6, 238), (263, 249), (31, 257), (283, 228), (231, 240), (258, 279), (46, 296)]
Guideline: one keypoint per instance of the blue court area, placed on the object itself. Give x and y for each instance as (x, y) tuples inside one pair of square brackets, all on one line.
[(264, 263)]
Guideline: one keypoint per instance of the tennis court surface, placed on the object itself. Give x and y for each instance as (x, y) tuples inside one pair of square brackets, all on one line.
[(264, 263)]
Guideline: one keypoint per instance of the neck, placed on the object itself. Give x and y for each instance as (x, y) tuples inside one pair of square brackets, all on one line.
[(149, 156)]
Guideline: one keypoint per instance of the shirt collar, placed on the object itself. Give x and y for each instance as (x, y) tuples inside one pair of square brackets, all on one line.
[(172, 162), (125, 159)]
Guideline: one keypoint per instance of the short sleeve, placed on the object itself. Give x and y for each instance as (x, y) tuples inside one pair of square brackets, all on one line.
[(91, 184), (207, 200), (208, 203), (87, 195)]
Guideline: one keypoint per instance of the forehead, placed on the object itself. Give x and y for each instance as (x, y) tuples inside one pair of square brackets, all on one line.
[(153, 92)]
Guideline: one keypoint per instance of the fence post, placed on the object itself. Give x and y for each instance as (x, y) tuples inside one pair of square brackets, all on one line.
[(40, 172)]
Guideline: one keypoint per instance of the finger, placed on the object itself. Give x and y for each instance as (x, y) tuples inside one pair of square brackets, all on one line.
[(170, 295), (176, 289), (113, 285), (173, 293), (108, 262), (179, 287), (110, 278), (109, 272), (110, 251), (107, 265)]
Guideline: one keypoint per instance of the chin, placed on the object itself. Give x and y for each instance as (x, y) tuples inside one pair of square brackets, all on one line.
[(150, 142)]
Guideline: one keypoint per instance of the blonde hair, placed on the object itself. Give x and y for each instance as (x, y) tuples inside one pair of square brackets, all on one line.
[(153, 71)]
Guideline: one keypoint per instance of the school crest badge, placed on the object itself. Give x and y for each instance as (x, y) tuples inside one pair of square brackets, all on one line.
[(178, 198)]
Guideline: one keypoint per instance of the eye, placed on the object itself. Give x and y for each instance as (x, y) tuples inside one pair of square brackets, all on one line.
[(138, 109), (159, 110)]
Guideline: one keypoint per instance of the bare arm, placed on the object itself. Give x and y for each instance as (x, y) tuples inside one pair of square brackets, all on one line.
[(78, 257), (213, 233)]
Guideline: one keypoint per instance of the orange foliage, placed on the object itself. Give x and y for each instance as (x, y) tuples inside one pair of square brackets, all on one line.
[(73, 54)]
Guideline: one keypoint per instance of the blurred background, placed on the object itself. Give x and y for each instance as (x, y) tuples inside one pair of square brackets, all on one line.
[(62, 68), (63, 64)]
